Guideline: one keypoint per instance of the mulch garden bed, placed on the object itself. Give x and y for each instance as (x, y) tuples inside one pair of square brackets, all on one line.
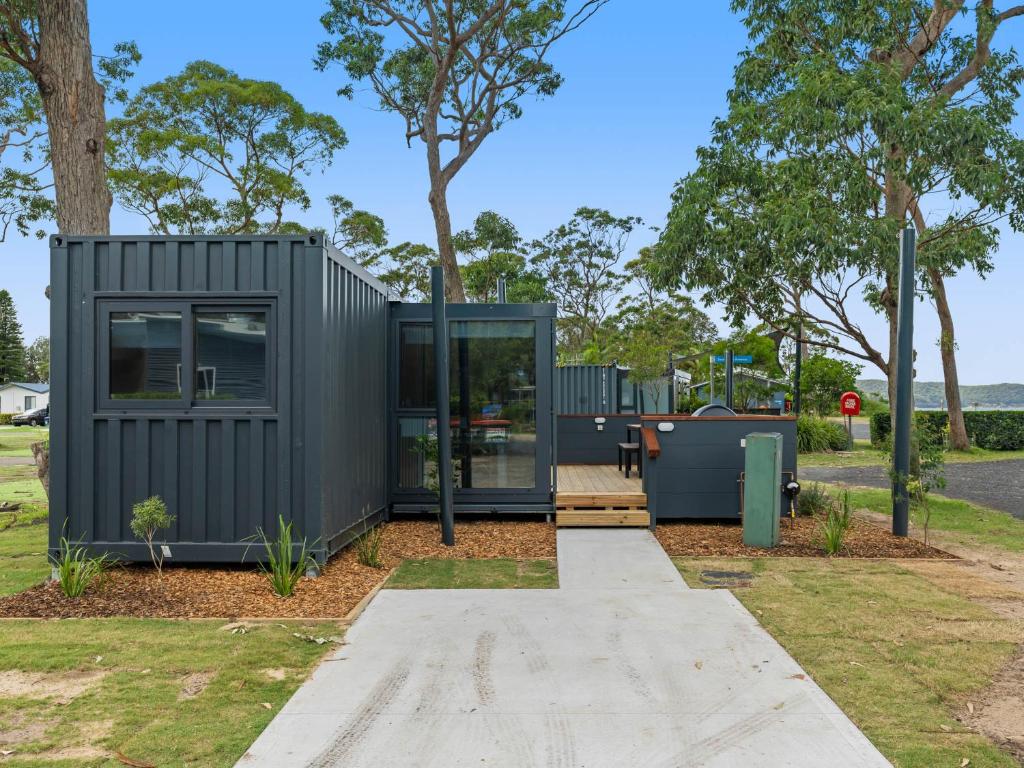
[(803, 539), (187, 592)]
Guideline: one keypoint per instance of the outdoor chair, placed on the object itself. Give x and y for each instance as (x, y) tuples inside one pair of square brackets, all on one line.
[(626, 451)]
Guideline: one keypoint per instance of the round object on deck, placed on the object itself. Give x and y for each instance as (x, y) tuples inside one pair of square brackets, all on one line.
[(713, 409)]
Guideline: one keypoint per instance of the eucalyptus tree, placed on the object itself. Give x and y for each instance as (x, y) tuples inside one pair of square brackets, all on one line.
[(846, 122), (454, 70), (49, 40), (357, 233), (209, 151), (580, 264), (491, 250), (24, 189)]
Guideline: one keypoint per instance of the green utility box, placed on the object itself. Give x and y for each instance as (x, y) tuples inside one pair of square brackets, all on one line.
[(761, 492)]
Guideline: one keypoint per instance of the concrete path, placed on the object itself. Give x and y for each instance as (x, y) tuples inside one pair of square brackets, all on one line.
[(622, 666), (14, 461)]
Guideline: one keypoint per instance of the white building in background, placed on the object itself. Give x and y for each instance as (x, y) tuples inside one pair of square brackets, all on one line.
[(18, 397)]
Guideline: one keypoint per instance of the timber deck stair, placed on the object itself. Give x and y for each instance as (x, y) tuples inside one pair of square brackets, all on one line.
[(599, 496)]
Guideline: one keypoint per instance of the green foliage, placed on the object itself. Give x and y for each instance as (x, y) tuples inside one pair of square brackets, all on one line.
[(823, 379), (251, 136), (12, 345), (992, 430), (5, 419), (284, 567), (844, 121), (148, 518), (493, 249), (358, 234), (813, 501), (836, 524), (24, 199), (816, 435), (76, 571), (579, 263), (368, 546), (37, 360)]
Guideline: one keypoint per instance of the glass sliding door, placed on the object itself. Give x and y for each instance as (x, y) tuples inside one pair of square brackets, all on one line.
[(494, 402), (500, 405)]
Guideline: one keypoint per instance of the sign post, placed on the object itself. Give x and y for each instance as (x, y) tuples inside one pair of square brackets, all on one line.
[(849, 406)]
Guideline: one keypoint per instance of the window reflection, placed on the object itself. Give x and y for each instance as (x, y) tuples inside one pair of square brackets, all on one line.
[(145, 355), (231, 355)]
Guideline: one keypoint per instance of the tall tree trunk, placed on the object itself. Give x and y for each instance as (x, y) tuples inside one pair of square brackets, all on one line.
[(454, 293), (75, 118), (958, 440)]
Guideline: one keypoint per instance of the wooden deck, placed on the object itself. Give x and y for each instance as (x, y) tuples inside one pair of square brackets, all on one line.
[(599, 495)]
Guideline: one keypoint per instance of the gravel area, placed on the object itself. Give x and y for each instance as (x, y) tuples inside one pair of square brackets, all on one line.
[(994, 484)]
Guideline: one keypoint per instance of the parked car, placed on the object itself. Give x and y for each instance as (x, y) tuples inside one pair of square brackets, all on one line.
[(33, 418)]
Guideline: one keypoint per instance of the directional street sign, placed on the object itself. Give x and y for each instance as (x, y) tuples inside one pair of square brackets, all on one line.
[(736, 359)]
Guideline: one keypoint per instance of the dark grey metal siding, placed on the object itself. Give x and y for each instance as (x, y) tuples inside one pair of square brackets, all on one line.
[(224, 471), (697, 473), (586, 389), (580, 441), (354, 480)]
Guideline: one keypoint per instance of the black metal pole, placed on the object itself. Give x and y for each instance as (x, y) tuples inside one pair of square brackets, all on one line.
[(501, 290), (728, 378), (444, 430), (904, 384), (796, 368)]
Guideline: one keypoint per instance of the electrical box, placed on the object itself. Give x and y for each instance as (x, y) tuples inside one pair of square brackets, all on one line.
[(761, 495)]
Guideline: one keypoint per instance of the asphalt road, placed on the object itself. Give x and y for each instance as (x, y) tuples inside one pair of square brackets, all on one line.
[(995, 484)]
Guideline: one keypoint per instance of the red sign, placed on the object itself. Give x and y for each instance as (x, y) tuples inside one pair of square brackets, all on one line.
[(849, 404)]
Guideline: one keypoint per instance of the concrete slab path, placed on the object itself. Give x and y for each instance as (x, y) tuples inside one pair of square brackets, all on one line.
[(623, 665)]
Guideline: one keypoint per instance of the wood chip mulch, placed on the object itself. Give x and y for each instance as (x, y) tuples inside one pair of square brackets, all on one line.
[(187, 592), (803, 539)]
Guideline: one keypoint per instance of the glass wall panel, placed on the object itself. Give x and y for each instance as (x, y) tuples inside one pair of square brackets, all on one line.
[(145, 355), (231, 355), (416, 366), (415, 436), (493, 402)]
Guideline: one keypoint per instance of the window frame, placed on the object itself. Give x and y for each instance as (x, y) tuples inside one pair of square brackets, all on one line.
[(187, 307), (29, 407)]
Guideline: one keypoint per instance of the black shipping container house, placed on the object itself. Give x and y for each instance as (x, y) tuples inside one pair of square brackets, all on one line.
[(243, 378)]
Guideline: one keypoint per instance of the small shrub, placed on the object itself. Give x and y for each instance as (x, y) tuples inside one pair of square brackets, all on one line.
[(992, 430), (282, 568), (76, 571), (5, 418), (813, 501), (814, 435), (836, 525), (368, 546), (148, 517)]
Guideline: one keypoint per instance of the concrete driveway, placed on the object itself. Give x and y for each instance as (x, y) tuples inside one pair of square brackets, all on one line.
[(623, 665)]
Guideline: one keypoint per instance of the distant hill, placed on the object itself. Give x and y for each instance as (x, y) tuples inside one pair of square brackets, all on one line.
[(931, 394)]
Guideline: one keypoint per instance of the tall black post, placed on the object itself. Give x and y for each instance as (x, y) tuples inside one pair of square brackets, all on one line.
[(904, 385), (728, 378), (444, 430), (796, 368), (501, 290)]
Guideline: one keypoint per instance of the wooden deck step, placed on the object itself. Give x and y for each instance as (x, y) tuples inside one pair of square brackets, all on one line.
[(566, 518), (600, 509)]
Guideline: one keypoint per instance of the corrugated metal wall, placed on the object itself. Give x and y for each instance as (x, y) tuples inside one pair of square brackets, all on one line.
[(586, 389), (354, 482), (223, 471)]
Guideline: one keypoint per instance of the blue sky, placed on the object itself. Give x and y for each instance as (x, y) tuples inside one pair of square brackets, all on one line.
[(643, 83)]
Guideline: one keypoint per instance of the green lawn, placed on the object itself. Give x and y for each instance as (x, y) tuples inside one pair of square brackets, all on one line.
[(475, 574), (170, 693), (23, 533), (14, 441), (971, 523), (895, 651), (864, 455)]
